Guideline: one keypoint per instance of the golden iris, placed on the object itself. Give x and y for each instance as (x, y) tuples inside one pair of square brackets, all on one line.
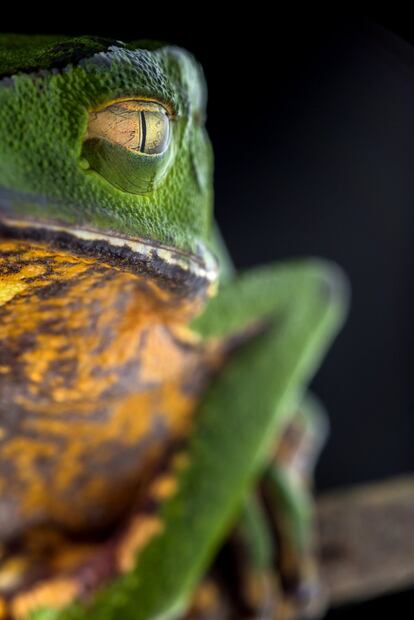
[(127, 142)]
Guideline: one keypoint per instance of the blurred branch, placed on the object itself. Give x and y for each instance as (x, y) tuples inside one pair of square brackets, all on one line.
[(366, 540)]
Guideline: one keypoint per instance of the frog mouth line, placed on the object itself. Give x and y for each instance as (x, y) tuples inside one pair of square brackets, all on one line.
[(131, 253)]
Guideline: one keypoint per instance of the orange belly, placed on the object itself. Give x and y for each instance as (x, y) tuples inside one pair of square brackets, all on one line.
[(99, 377)]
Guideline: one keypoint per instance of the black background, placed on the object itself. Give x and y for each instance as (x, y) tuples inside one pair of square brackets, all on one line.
[(312, 122)]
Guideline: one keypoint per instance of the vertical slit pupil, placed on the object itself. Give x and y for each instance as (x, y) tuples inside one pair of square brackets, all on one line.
[(143, 132)]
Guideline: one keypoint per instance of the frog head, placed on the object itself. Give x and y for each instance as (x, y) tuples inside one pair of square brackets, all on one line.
[(103, 146)]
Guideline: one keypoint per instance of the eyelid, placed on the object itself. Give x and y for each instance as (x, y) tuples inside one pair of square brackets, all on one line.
[(140, 126), (138, 101)]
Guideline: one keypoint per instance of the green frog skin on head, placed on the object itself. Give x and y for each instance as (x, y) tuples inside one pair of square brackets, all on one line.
[(156, 435)]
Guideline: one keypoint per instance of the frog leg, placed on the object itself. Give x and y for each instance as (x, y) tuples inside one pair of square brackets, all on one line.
[(287, 493), (266, 567), (240, 582), (294, 309)]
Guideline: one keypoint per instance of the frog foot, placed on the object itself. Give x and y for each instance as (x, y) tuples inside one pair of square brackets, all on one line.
[(237, 589)]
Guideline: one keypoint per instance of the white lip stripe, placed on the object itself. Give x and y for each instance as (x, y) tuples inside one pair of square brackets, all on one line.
[(145, 248)]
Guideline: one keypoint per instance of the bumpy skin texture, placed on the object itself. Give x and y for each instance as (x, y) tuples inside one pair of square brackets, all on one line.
[(48, 86), (227, 383), (69, 399)]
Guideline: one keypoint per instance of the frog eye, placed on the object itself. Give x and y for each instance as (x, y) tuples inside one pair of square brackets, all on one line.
[(128, 142), (140, 126)]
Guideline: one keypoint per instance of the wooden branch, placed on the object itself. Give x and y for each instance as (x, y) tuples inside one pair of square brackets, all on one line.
[(366, 540)]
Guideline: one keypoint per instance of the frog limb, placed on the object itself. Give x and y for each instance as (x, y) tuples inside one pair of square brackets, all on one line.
[(240, 582), (266, 568), (361, 553), (287, 492), (302, 305)]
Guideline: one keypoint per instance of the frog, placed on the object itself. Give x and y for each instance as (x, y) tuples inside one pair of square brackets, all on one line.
[(157, 432)]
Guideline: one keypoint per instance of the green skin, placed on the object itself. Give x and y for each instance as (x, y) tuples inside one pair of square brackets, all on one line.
[(44, 176)]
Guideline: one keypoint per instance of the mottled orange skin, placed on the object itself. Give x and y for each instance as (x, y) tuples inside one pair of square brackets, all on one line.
[(99, 381)]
